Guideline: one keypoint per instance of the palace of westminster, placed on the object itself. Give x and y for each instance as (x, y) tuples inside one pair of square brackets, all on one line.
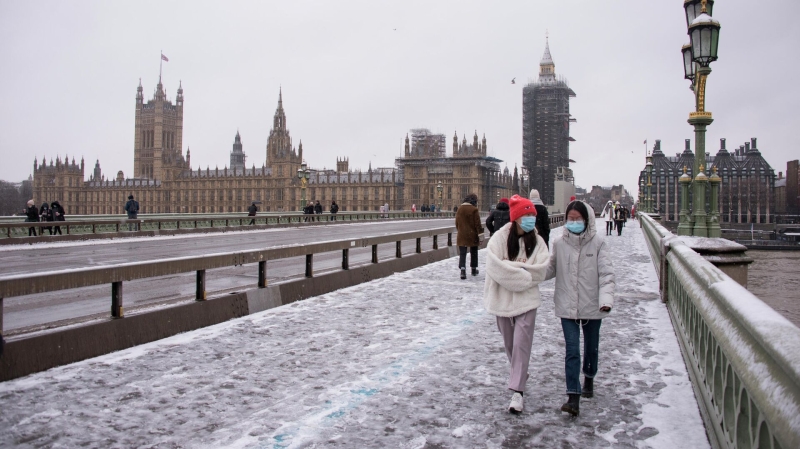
[(164, 181)]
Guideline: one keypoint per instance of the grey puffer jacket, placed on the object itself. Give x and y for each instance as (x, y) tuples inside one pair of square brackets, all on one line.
[(584, 272)]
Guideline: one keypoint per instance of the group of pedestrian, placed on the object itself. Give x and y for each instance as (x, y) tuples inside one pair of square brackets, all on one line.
[(519, 257), (313, 210), (53, 212), (615, 216)]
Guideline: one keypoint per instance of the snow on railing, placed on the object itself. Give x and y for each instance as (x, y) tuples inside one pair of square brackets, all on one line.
[(743, 356)]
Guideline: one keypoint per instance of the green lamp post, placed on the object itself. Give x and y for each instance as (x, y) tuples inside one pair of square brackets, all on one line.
[(303, 173), (439, 190), (685, 224), (649, 197), (697, 56)]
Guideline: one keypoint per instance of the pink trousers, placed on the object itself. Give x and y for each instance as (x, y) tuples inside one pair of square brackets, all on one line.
[(517, 332)]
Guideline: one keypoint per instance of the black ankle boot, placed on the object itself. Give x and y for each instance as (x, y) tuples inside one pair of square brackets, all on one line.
[(463, 273), (588, 387), (572, 406), (474, 271)]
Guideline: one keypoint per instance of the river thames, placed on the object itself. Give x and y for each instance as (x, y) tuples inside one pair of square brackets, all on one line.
[(775, 278)]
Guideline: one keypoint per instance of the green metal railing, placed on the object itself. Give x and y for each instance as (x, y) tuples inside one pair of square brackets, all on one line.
[(743, 356)]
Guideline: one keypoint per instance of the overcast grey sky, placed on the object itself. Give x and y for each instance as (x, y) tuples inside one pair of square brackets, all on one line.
[(357, 75)]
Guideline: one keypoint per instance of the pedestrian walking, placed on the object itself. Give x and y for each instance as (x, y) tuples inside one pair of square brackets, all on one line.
[(132, 208), (334, 209), (516, 262), (386, 210), (251, 212), (583, 296), (608, 216), (308, 210), (542, 217), (413, 208), (45, 215), (31, 216), (498, 217), (468, 225), (58, 215), (619, 217), (318, 210)]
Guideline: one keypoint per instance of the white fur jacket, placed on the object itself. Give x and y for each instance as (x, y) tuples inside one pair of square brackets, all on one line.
[(512, 286)]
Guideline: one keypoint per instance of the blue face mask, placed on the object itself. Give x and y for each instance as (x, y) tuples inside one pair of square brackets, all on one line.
[(575, 227), (528, 223)]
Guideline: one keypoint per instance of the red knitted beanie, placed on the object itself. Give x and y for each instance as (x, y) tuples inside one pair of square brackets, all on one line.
[(520, 206)]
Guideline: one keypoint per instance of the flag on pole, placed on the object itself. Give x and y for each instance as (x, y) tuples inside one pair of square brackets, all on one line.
[(164, 58), (645, 140)]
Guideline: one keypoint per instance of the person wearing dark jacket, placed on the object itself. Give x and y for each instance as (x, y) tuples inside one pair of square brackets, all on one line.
[(46, 214), (318, 209), (308, 210), (31, 216), (542, 217), (251, 212), (132, 209), (58, 215), (468, 224), (334, 210), (499, 217)]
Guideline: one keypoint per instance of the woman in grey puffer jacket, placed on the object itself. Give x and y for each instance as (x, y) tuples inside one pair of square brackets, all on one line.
[(584, 294)]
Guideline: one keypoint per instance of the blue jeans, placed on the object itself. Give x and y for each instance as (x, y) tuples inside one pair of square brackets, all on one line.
[(572, 361)]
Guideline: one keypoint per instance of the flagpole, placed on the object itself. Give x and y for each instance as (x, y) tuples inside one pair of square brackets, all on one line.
[(160, 63)]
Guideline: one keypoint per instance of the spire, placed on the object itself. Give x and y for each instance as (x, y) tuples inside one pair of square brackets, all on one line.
[(280, 97), (546, 58), (547, 68)]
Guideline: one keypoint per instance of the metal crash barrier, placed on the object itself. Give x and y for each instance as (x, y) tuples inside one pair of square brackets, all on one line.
[(116, 275), (743, 356)]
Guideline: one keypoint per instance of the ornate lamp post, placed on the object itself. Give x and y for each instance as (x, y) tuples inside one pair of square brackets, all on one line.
[(303, 173), (685, 224), (439, 190), (697, 56)]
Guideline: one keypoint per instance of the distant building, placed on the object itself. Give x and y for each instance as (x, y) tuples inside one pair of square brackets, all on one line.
[(747, 192), (792, 188), (545, 128), (468, 170), (165, 182), (780, 194)]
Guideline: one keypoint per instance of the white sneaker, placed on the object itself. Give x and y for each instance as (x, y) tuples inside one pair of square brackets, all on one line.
[(516, 404)]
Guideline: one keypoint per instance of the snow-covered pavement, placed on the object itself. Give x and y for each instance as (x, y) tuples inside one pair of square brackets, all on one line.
[(408, 361)]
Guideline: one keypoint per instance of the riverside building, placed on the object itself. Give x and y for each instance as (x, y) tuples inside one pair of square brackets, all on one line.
[(165, 182)]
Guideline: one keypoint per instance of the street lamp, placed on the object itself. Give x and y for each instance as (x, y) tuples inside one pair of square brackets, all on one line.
[(439, 189), (303, 173), (697, 56), (649, 200)]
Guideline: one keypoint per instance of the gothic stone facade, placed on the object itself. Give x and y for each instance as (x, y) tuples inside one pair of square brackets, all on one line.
[(747, 191), (164, 181)]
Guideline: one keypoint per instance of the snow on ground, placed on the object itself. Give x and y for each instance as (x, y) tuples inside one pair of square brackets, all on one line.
[(409, 361)]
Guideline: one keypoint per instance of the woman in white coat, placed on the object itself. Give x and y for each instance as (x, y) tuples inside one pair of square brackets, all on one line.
[(583, 296), (517, 261), (608, 216)]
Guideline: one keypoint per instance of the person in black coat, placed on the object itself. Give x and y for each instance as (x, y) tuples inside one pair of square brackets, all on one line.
[(251, 212), (58, 215), (46, 214), (318, 209), (334, 209), (542, 217), (499, 216), (31, 216)]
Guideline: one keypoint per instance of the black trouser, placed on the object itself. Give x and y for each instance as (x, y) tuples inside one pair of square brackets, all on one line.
[(609, 227), (57, 230), (253, 221), (31, 231), (462, 256), (619, 227)]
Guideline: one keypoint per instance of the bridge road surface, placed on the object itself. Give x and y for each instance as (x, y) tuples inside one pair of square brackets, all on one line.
[(35, 312), (407, 361)]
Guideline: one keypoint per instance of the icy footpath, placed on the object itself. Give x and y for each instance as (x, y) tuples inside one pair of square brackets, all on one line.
[(409, 361)]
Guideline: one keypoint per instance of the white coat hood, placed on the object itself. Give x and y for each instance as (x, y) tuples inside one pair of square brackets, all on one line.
[(512, 286)]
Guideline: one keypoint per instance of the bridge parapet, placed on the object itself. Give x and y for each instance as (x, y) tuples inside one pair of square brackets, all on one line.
[(743, 356)]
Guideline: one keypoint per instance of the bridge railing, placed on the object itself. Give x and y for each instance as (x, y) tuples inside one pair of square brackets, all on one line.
[(27, 284), (107, 224), (743, 356)]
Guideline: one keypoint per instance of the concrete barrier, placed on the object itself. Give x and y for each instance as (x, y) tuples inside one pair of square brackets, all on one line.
[(30, 354)]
